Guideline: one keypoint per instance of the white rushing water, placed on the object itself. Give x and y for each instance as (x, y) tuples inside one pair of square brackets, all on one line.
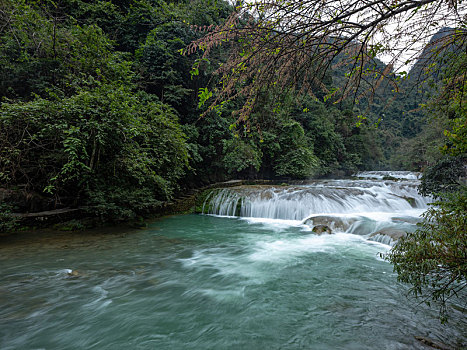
[(380, 175), (260, 280), (366, 206)]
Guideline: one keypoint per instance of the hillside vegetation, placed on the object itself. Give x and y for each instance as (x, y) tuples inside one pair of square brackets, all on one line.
[(99, 110)]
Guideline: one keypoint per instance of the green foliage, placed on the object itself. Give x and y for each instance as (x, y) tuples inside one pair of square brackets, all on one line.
[(40, 54), (93, 141), (298, 163), (8, 222), (296, 158), (163, 70), (119, 203), (364, 145), (78, 64), (241, 155), (72, 225), (97, 100), (433, 259), (452, 103), (28, 47), (206, 145), (320, 126), (443, 177), (448, 173), (204, 94), (420, 151), (83, 133), (457, 137)]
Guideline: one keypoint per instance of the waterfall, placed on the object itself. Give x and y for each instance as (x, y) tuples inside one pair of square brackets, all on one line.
[(380, 175), (319, 197), (382, 210)]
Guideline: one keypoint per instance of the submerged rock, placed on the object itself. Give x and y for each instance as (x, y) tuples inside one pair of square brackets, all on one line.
[(333, 222), (320, 229), (387, 236), (433, 343), (409, 220), (410, 200), (73, 273)]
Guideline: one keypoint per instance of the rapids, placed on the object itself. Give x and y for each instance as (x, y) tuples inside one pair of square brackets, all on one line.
[(366, 205), (250, 275)]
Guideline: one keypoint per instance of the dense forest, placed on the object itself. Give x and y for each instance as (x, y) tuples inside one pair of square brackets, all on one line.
[(100, 110)]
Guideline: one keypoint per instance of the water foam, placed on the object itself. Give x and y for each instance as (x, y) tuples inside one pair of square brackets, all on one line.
[(327, 197), (100, 302), (378, 175), (358, 207)]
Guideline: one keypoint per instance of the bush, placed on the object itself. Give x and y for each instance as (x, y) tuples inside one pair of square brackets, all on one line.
[(8, 222), (94, 142), (433, 259)]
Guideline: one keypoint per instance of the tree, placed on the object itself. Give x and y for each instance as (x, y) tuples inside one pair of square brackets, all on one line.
[(77, 132), (292, 44), (282, 45), (433, 259), (118, 153), (241, 156), (296, 158)]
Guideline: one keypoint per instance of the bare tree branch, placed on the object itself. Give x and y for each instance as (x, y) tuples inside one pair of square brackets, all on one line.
[(292, 44)]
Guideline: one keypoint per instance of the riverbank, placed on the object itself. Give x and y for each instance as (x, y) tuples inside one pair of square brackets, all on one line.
[(190, 201), (81, 218)]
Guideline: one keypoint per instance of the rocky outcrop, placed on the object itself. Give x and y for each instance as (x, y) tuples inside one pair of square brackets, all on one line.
[(410, 200), (408, 220), (387, 236), (73, 273), (320, 229), (433, 343), (333, 222)]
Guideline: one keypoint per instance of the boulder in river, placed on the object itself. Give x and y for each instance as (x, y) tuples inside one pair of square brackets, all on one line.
[(320, 229), (332, 222), (387, 236), (433, 343), (407, 219), (73, 273)]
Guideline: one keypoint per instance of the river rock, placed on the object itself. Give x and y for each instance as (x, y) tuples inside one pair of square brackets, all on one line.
[(333, 222), (408, 220), (320, 229), (73, 273), (387, 236), (410, 200), (433, 343)]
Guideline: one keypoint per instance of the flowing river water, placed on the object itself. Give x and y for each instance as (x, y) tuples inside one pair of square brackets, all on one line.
[(249, 275)]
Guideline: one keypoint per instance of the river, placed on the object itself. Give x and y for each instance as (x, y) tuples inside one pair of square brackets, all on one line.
[(249, 274)]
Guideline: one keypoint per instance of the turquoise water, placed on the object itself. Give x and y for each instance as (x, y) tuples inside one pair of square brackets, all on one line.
[(206, 282)]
